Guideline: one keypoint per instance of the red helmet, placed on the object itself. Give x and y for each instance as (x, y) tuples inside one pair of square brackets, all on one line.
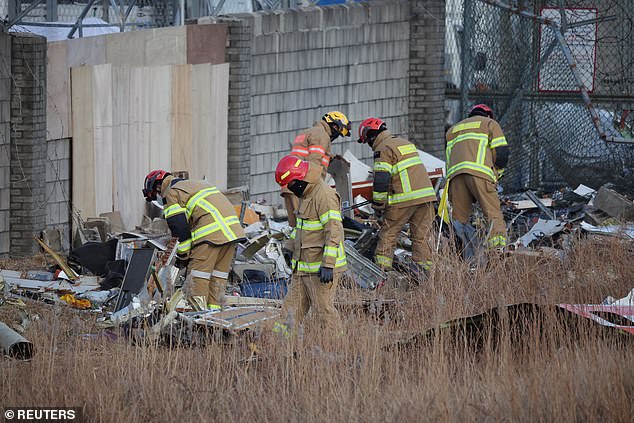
[(483, 107), (370, 124), (152, 180), (289, 169)]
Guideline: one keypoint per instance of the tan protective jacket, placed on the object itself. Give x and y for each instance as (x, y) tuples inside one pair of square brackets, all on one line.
[(317, 240), (471, 147), (201, 211), (313, 145), (409, 182)]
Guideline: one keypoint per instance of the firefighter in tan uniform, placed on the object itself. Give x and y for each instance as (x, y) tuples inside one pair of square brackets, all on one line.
[(402, 193), (314, 146), (477, 152), (317, 243), (207, 228)]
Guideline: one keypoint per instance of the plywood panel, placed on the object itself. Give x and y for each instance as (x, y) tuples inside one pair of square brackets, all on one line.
[(127, 48), (166, 46), (210, 87), (58, 92), (122, 100), (86, 51), (135, 161), (102, 123), (160, 112), (83, 183), (206, 43), (181, 118)]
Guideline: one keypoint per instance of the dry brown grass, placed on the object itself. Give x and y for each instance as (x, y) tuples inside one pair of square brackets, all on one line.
[(357, 377)]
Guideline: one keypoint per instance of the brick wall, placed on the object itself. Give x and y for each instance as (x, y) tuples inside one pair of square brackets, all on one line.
[(238, 52), (5, 140), (427, 76), (28, 142)]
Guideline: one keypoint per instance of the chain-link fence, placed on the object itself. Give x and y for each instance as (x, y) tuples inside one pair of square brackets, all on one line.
[(559, 75)]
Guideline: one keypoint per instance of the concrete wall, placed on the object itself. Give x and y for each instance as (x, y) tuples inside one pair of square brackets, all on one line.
[(290, 67), (28, 142), (5, 140), (58, 188)]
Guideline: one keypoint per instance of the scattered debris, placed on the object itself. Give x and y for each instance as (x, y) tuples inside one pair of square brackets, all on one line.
[(129, 279)]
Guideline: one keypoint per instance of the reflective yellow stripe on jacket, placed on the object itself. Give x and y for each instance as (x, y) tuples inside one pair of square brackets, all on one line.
[(317, 225), (483, 144), (329, 251), (400, 169), (221, 223)]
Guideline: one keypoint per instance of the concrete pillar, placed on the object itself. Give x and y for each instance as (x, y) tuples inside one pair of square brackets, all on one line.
[(427, 76), (28, 142), (239, 54), (5, 140)]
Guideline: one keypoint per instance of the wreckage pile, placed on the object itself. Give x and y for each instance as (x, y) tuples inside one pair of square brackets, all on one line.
[(129, 279)]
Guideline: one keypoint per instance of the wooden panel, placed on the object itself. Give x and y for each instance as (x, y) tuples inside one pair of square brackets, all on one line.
[(121, 102), (58, 92), (144, 120), (160, 110), (86, 51), (135, 159), (210, 88), (83, 183), (181, 118), (102, 123), (166, 46), (206, 43), (127, 48)]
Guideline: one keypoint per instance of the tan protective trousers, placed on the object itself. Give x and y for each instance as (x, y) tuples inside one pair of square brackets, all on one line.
[(306, 292), (466, 189), (209, 266), (420, 218)]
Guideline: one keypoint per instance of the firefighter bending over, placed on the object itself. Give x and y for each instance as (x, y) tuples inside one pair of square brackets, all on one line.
[(477, 152), (402, 193), (207, 228)]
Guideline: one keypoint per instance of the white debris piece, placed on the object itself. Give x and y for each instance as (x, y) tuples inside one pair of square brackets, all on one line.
[(542, 229), (584, 191), (622, 231)]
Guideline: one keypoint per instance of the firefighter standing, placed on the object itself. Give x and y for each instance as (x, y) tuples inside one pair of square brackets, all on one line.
[(317, 244), (402, 193), (314, 146), (477, 151), (207, 228)]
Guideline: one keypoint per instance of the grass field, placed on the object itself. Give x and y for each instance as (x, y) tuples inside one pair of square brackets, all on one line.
[(362, 375)]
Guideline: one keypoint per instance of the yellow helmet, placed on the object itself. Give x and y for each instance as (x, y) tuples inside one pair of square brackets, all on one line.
[(338, 122)]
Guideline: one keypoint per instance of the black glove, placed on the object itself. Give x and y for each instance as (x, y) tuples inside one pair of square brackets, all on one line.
[(326, 274), (181, 262), (378, 213)]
